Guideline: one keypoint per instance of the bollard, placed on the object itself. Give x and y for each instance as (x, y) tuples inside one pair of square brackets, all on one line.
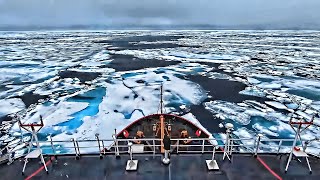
[(166, 159), (166, 144)]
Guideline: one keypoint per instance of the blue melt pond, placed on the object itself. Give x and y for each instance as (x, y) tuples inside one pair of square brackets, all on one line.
[(132, 74), (94, 98), (128, 115)]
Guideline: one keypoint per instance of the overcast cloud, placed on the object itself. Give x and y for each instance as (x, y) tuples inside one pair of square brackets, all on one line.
[(230, 13)]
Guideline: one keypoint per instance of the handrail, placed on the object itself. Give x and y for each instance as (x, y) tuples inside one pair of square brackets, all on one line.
[(240, 145)]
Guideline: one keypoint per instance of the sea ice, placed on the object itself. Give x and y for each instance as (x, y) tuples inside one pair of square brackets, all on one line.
[(276, 104), (286, 74), (10, 106)]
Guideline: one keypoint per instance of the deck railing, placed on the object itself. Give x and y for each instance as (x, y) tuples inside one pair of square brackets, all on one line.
[(200, 145)]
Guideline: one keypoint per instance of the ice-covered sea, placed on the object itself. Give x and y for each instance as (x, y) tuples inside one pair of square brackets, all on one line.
[(87, 82)]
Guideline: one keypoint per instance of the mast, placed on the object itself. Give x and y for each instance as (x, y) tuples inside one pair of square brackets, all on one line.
[(162, 119), (161, 98), (162, 131)]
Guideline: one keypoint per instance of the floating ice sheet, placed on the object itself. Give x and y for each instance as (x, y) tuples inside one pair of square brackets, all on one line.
[(10, 106)]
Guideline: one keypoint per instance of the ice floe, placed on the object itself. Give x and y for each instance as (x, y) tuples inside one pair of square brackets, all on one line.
[(10, 106), (276, 104)]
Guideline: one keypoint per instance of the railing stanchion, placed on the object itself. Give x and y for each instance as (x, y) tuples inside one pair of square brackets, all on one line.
[(279, 146), (98, 140), (178, 147), (75, 148), (104, 150), (254, 145), (305, 146), (78, 148), (202, 146), (154, 147), (53, 149), (258, 143), (231, 146), (116, 143)]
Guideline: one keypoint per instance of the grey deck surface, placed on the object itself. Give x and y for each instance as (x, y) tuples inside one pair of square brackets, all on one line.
[(183, 166)]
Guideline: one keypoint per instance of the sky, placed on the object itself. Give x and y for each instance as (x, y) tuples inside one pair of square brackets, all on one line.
[(269, 14)]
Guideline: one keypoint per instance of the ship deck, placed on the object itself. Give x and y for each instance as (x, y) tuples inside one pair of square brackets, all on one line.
[(182, 166)]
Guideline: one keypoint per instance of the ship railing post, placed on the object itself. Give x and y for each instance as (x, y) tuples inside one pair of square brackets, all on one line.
[(104, 150), (99, 146), (53, 148), (116, 142), (128, 144), (116, 146), (75, 148), (202, 146), (154, 147), (279, 146), (130, 150), (258, 143), (254, 145), (78, 147), (231, 146), (305, 146), (213, 152), (178, 146)]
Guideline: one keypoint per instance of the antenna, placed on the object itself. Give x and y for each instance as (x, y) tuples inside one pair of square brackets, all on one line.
[(33, 128), (161, 107), (296, 150)]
